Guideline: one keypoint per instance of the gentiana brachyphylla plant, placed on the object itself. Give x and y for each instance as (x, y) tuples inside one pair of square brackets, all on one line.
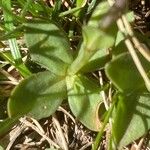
[(67, 78)]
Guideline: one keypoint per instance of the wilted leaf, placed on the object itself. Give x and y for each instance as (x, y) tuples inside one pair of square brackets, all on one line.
[(84, 100), (48, 45), (38, 96)]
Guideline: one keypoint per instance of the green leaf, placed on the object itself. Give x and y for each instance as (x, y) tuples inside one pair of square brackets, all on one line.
[(1, 148), (20, 67), (132, 119), (130, 16), (80, 3), (7, 124), (123, 73), (120, 37), (95, 38), (38, 96), (91, 6), (119, 49), (97, 61), (98, 13), (8, 19), (84, 100), (48, 46)]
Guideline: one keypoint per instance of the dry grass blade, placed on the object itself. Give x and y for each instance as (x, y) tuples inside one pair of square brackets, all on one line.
[(34, 127), (126, 29), (14, 135), (61, 134)]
